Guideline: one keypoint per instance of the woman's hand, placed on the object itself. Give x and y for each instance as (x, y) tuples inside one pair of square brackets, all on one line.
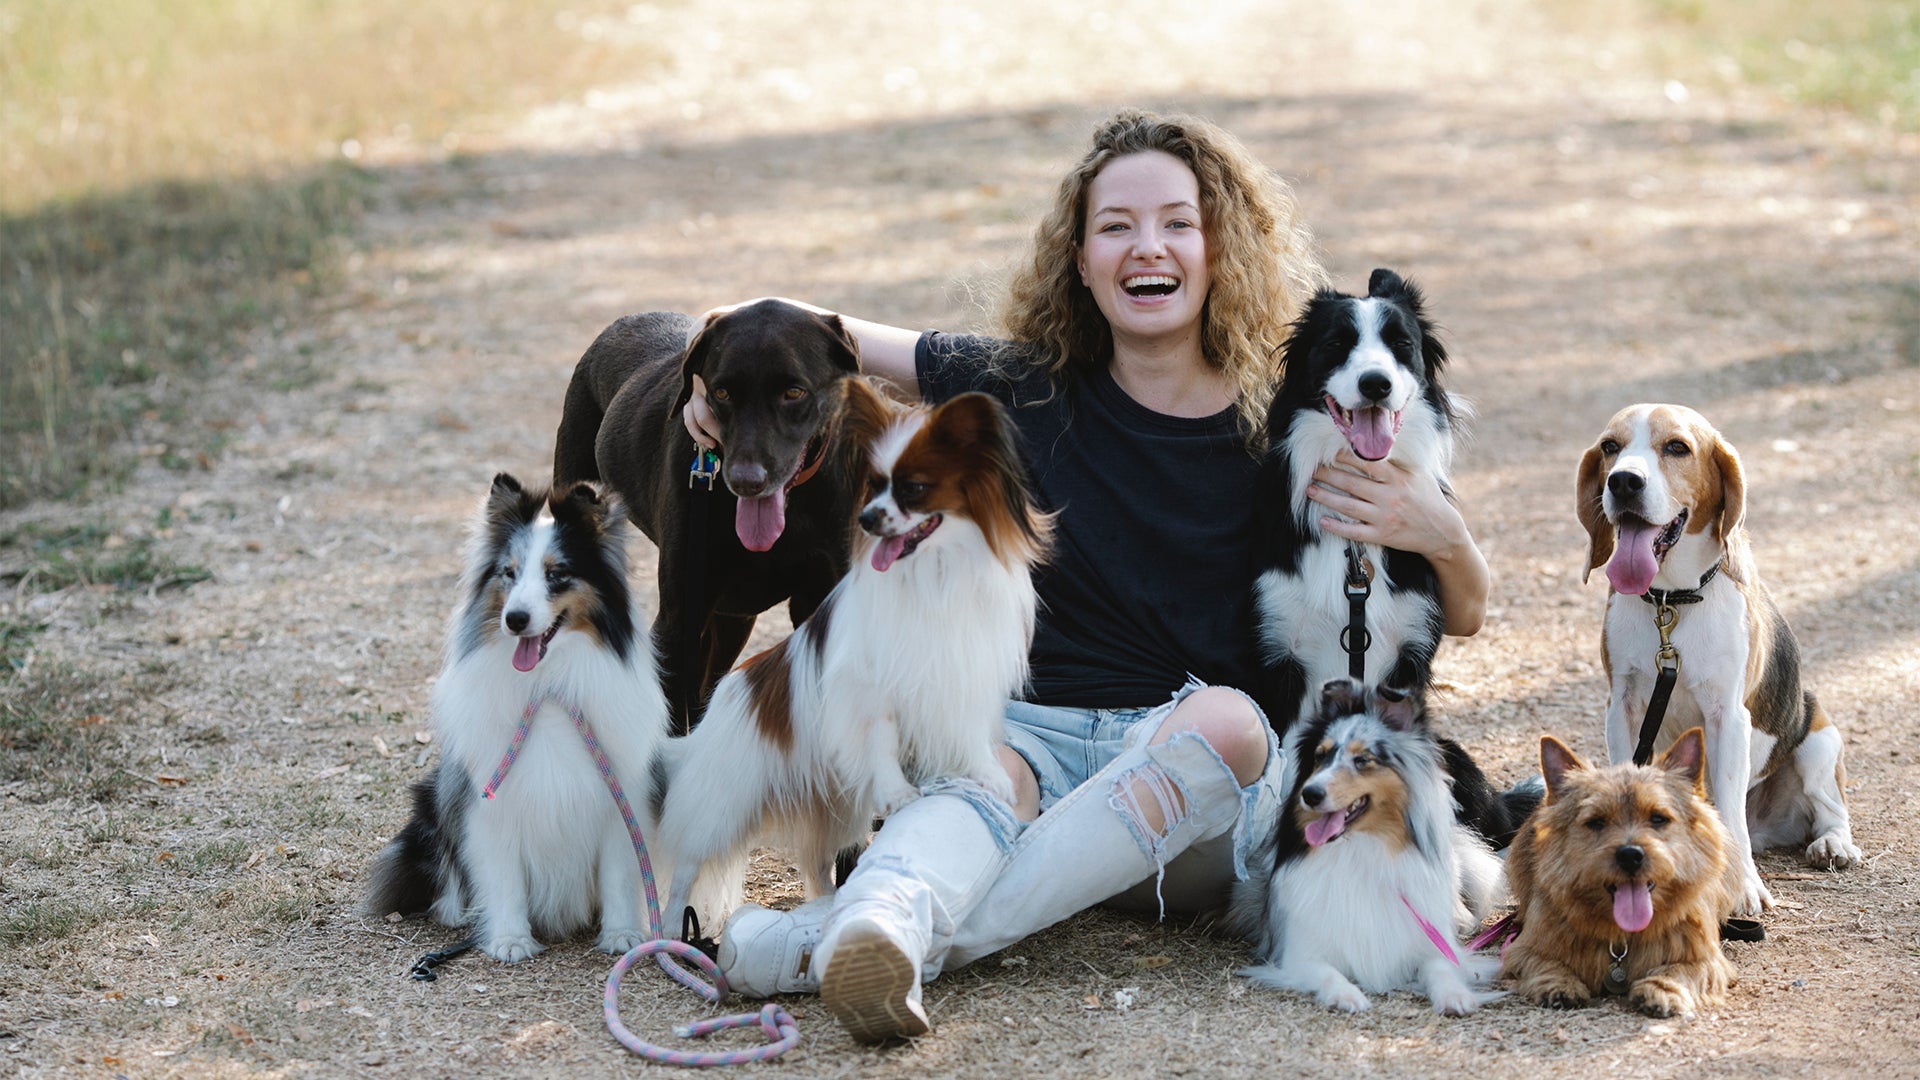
[(1385, 504), (698, 416)]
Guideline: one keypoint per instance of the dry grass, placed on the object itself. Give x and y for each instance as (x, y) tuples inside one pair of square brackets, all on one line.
[(1585, 241)]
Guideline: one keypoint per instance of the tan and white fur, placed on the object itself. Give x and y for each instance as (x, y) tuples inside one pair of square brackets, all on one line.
[(900, 677), (1666, 486)]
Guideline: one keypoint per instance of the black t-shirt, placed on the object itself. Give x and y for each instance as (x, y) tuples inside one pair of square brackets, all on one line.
[(1152, 570)]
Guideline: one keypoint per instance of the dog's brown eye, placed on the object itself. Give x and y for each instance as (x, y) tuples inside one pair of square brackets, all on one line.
[(721, 395), (1362, 762), (910, 489), (1658, 821), (1676, 448), (875, 485), (794, 393), (1595, 824), (1609, 447)]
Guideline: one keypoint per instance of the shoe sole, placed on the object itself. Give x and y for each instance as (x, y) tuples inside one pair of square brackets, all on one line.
[(868, 986)]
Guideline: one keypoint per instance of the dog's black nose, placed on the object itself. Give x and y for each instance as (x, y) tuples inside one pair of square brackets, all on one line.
[(748, 476), (1630, 858), (1625, 484), (516, 621), (1312, 794), (870, 520), (1375, 386)]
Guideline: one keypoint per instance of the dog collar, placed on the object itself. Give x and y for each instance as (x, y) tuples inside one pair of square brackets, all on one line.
[(1664, 597)]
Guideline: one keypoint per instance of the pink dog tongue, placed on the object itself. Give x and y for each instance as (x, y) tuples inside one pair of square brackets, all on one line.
[(1372, 433), (888, 550), (1633, 565), (758, 522), (1633, 906), (1325, 827), (526, 653)]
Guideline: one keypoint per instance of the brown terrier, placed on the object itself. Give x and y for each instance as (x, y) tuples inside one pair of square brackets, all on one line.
[(1620, 881)]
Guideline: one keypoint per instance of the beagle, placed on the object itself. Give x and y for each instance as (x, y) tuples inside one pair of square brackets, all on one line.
[(1662, 496)]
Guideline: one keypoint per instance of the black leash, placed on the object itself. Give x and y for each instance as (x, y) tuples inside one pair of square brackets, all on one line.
[(1355, 638), (693, 664), (422, 970), (1665, 614)]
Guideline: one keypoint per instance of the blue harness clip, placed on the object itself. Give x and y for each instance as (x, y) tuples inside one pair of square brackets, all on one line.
[(706, 466)]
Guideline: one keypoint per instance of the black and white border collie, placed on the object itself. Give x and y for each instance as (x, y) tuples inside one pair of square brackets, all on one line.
[(1368, 883), (545, 619), (901, 676), (1363, 375)]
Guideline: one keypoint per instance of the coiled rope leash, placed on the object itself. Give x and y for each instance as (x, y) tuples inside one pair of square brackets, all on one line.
[(776, 1022)]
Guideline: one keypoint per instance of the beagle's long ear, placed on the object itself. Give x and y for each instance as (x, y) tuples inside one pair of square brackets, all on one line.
[(1593, 515), (1556, 761), (1733, 489)]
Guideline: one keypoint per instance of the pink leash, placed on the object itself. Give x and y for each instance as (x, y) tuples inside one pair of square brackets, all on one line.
[(1433, 933), (776, 1022)]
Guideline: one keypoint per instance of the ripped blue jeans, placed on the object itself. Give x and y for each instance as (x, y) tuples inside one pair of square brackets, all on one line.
[(1091, 844)]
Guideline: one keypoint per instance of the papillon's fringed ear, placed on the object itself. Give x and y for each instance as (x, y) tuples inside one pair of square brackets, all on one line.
[(1342, 697), (1688, 757), (1556, 761), (868, 413), (1592, 513), (1399, 709)]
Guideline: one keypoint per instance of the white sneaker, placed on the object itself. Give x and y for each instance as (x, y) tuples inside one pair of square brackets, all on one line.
[(764, 952), (871, 981)]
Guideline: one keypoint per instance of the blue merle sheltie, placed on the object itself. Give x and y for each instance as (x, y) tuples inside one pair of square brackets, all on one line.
[(1361, 378), (1368, 881), (545, 626)]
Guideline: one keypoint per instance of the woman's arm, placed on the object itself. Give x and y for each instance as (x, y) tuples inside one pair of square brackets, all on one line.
[(1394, 508), (886, 351)]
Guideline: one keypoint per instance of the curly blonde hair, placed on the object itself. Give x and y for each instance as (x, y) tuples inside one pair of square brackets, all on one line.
[(1259, 254)]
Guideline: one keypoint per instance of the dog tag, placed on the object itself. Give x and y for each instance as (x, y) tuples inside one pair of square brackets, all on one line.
[(1616, 981), (706, 466)]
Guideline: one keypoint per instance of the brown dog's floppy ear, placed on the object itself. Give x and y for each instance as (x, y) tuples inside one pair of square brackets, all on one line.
[(1688, 757), (693, 362), (1733, 489), (847, 358), (1593, 515), (1556, 761)]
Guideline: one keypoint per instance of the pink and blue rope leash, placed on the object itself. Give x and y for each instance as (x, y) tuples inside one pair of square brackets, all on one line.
[(774, 1021)]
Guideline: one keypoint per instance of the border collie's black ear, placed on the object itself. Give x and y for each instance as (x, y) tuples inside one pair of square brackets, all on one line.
[(1385, 283), (1342, 697), (1399, 709), (505, 486)]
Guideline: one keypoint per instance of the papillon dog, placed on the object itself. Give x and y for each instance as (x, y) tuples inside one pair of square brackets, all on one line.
[(1368, 882), (901, 676), (1362, 374), (545, 626)]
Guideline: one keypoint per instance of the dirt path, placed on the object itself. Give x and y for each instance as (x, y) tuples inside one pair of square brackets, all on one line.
[(1588, 236)]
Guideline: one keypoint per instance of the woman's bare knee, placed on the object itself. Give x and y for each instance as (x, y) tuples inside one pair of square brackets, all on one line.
[(1026, 786), (1229, 723)]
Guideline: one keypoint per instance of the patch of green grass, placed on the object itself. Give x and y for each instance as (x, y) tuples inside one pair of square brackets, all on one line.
[(66, 556), (16, 643), (55, 734), (37, 921), (1859, 55), (177, 173)]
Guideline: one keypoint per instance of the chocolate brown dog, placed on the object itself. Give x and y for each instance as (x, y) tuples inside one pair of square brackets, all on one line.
[(776, 527)]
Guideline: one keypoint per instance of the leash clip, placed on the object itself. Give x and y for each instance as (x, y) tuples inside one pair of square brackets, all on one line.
[(1664, 616), (706, 466)]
